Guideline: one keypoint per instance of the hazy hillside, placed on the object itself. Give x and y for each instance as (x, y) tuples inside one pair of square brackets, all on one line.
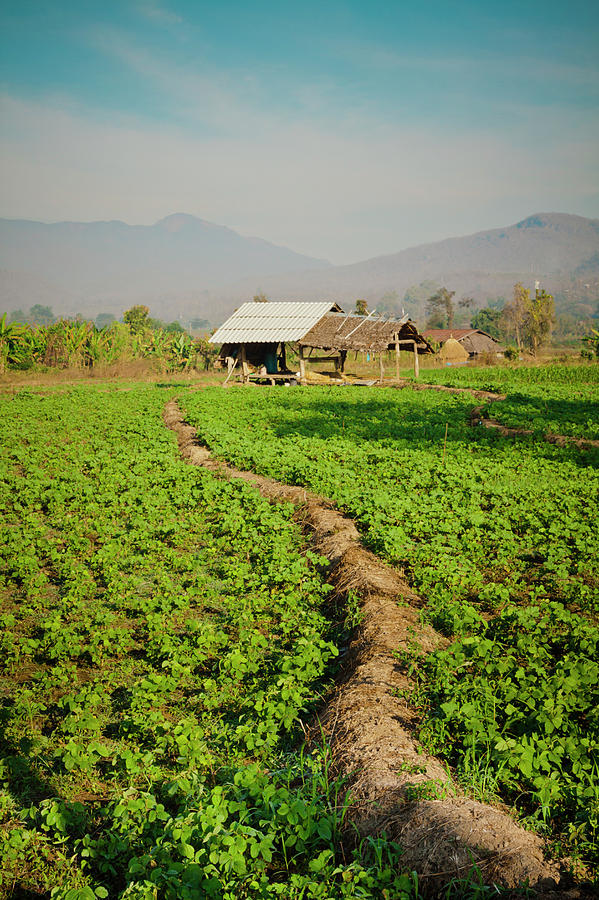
[(556, 248), (186, 266), (104, 266)]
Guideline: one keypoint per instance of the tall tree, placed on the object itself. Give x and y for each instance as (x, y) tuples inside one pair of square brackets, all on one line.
[(539, 320), (529, 319), (361, 307), (260, 297), (137, 318), (514, 313), (41, 315), (440, 309), (488, 320)]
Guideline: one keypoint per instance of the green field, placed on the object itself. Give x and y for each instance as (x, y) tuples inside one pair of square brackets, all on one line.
[(165, 633), (556, 398), (500, 537)]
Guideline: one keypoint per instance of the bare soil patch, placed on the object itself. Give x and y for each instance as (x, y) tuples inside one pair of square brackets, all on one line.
[(395, 785)]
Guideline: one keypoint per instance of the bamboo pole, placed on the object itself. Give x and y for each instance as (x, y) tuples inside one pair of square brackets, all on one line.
[(231, 370), (416, 361), (397, 359), (381, 367)]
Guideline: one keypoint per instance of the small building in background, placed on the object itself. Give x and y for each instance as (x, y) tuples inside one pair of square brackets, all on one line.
[(472, 340)]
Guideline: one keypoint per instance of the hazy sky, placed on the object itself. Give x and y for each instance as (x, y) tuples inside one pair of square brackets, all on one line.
[(342, 130)]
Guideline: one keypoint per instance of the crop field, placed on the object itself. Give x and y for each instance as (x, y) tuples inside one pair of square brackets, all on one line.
[(163, 637), (167, 636), (501, 539), (557, 398)]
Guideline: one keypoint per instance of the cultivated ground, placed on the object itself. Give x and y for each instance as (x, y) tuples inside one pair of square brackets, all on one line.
[(208, 694)]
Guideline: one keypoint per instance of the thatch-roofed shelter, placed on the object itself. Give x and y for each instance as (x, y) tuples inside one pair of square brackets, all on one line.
[(342, 332), (256, 335), (473, 340)]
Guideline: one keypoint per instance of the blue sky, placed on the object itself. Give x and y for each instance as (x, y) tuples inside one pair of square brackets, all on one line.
[(343, 130)]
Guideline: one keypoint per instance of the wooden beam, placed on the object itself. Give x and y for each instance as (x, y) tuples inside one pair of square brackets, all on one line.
[(302, 365), (245, 369), (397, 360), (416, 362), (381, 367)]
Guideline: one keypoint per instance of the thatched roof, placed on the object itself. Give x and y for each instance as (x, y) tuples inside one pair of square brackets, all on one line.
[(472, 339), (338, 331)]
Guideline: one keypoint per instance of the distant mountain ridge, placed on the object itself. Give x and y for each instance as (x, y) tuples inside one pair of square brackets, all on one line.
[(178, 261), (554, 248), (183, 265)]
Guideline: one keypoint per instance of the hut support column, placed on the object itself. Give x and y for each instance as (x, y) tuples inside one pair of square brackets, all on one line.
[(416, 362), (381, 367), (245, 369), (302, 365), (397, 359)]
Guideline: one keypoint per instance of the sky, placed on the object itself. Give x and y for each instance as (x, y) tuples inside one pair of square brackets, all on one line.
[(343, 130)]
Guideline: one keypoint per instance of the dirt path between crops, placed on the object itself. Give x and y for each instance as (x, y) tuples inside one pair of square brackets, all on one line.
[(370, 726), (418, 386), (479, 415)]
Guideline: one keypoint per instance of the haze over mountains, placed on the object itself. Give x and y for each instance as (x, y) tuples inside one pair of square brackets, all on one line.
[(184, 266)]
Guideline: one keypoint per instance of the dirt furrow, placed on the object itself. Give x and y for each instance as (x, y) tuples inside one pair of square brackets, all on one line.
[(396, 786), (479, 416)]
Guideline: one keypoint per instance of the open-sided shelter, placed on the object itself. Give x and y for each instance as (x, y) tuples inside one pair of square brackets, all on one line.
[(255, 335), (341, 332)]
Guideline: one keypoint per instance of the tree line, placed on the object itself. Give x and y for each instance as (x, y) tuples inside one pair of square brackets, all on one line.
[(528, 319)]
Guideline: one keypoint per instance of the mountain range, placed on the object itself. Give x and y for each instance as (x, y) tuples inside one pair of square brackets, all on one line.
[(185, 267)]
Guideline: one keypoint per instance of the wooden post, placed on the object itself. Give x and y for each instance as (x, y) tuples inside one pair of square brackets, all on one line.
[(302, 365), (245, 369), (416, 362), (397, 358), (381, 367)]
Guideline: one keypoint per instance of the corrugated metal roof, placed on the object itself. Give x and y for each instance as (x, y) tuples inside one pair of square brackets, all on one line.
[(256, 323)]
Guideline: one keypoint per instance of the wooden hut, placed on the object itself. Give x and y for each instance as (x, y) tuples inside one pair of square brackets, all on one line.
[(473, 340), (254, 337)]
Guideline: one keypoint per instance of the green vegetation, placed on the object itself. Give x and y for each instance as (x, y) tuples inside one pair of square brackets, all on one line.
[(163, 636), (488, 319), (500, 537), (550, 399), (77, 344)]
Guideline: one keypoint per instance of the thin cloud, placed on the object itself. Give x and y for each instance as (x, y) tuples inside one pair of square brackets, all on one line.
[(159, 14)]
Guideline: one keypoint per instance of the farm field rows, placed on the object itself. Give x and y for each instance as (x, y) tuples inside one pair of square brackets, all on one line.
[(556, 398), (500, 537), (163, 635)]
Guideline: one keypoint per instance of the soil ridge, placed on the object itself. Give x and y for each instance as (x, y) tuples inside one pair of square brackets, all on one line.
[(479, 416), (396, 786)]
